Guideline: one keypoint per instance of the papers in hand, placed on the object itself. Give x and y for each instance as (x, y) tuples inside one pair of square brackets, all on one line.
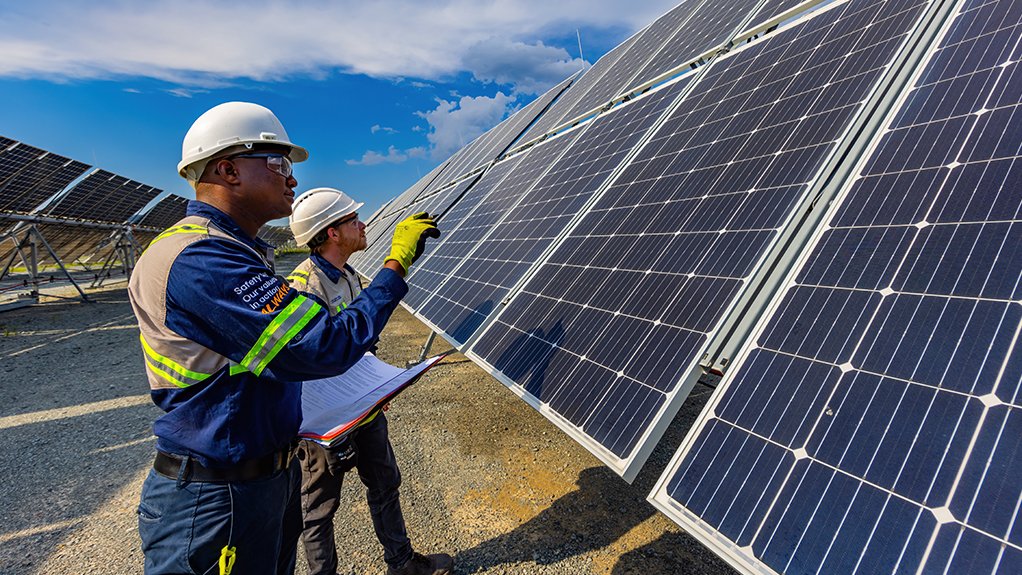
[(335, 406)]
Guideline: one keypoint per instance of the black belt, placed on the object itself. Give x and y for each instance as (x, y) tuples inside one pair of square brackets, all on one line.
[(169, 466)]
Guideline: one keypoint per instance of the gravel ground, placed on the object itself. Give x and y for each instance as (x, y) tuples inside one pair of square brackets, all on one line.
[(486, 478)]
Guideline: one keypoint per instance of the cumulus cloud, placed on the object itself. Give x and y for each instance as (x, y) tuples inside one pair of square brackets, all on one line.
[(530, 68), (384, 129), (392, 156), (454, 123), (495, 41)]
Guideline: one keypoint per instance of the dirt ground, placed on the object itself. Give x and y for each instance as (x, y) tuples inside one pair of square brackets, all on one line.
[(486, 478)]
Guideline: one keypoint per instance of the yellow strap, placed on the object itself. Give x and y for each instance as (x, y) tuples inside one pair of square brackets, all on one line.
[(181, 376), (292, 319), (227, 555), (182, 229)]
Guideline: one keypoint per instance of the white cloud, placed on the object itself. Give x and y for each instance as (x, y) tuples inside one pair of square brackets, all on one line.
[(196, 43), (384, 129), (455, 123), (393, 156), (530, 68)]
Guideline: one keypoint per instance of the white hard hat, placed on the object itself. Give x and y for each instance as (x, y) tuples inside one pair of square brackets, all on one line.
[(316, 209), (228, 125)]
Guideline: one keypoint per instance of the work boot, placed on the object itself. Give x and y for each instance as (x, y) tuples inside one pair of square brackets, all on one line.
[(419, 564)]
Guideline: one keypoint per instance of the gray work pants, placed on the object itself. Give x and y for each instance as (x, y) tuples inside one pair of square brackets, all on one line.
[(322, 476)]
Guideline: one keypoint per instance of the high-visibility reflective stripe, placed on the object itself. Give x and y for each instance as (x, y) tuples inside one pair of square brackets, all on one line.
[(285, 326), (297, 279), (178, 374), (159, 370), (300, 273), (182, 229), (237, 368)]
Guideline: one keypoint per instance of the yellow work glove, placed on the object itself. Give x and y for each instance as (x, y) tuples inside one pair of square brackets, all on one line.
[(410, 239)]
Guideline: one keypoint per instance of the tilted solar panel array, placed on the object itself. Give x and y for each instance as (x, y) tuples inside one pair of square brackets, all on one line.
[(538, 201), (37, 182), (442, 256), (165, 213), (686, 225), (875, 422), (370, 260), (103, 197), (675, 39)]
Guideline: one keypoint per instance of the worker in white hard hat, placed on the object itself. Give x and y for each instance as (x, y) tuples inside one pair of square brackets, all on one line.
[(226, 343), (326, 220)]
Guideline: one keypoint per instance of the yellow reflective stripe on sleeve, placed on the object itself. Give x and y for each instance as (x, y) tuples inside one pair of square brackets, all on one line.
[(178, 374), (237, 368), (182, 229), (300, 273), (161, 371), (297, 279), (281, 330)]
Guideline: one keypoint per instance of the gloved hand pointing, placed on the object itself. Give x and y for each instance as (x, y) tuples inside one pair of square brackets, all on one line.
[(410, 239)]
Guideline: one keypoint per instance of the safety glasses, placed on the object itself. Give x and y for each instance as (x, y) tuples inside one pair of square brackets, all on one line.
[(278, 163)]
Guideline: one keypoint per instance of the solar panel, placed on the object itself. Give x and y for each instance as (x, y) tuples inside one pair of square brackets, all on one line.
[(371, 259), (678, 37), (554, 116), (6, 143), (686, 225), (103, 197), (779, 9), (554, 184), (14, 159), (37, 182), (276, 236), (873, 425), (165, 213), (444, 255), (708, 25), (496, 141)]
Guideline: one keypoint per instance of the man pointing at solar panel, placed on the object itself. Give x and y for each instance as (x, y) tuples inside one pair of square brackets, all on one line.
[(226, 344), (326, 220)]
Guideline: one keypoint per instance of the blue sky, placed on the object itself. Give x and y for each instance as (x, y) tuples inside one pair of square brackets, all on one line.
[(379, 92)]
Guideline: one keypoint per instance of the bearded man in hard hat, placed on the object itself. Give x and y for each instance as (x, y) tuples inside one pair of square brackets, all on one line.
[(227, 343), (326, 220)]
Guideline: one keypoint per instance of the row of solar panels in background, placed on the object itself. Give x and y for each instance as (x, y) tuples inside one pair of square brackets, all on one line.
[(605, 333), (80, 223)]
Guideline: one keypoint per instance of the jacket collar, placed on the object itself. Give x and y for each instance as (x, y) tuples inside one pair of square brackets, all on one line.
[(330, 269), (226, 224)]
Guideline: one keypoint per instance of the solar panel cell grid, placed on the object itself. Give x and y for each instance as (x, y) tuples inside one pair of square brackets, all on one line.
[(13, 160), (435, 205), (166, 213), (444, 255), (709, 25), (774, 8), (881, 397), (527, 230), (647, 42), (557, 113), (672, 241), (458, 307), (38, 182)]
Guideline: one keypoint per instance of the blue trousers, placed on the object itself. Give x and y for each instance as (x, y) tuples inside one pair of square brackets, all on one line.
[(322, 476), (184, 525)]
